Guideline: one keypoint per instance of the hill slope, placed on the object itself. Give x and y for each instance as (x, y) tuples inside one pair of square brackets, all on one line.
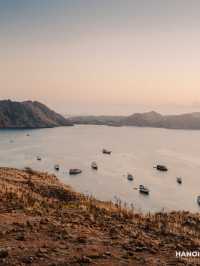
[(45, 223), (149, 119), (29, 114)]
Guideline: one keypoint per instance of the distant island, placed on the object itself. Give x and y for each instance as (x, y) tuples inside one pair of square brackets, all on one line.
[(148, 119), (29, 114)]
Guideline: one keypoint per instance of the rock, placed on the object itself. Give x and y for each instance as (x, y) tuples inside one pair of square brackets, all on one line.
[(3, 253), (130, 253), (127, 246), (20, 237), (153, 251), (42, 253), (92, 219), (28, 223), (44, 221), (113, 231), (85, 259), (27, 259), (107, 253), (95, 256), (139, 249), (43, 250), (81, 239)]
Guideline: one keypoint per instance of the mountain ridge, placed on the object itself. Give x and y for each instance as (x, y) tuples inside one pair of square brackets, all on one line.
[(147, 119)]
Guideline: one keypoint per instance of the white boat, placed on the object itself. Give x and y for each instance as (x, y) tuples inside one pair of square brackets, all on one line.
[(198, 200), (179, 180), (57, 167), (106, 151), (143, 189), (94, 165), (75, 171), (130, 177)]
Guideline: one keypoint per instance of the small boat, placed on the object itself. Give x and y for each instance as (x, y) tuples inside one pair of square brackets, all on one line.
[(179, 180), (27, 135), (106, 151), (198, 200), (39, 158), (143, 189), (130, 177), (160, 167), (57, 167), (94, 165), (75, 171)]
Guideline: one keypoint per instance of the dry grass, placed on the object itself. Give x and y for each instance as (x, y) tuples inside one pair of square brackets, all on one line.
[(75, 229)]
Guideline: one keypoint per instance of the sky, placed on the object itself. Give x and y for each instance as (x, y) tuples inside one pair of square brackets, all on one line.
[(101, 56)]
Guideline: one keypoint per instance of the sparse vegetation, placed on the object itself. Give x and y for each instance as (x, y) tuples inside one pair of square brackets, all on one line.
[(44, 222)]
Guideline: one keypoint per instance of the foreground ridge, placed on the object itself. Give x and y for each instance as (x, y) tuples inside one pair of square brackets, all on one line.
[(45, 223)]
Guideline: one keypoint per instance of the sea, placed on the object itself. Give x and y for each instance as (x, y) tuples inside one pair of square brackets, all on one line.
[(135, 150)]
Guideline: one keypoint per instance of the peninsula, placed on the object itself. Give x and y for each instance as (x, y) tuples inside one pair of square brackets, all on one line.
[(29, 114)]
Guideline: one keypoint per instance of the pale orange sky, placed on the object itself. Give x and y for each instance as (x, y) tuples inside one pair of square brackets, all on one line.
[(69, 55)]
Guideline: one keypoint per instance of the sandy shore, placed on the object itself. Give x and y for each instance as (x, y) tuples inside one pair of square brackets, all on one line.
[(45, 223)]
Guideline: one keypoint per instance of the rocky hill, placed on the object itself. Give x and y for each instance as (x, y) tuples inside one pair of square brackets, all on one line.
[(149, 119), (45, 223), (29, 114)]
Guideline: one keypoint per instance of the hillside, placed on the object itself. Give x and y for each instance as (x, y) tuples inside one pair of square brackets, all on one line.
[(45, 223), (29, 114), (149, 119)]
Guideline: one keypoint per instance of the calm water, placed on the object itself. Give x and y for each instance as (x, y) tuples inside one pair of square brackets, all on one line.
[(135, 150)]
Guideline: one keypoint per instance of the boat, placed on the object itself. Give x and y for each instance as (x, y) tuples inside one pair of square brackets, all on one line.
[(160, 167), (57, 167), (39, 158), (75, 171), (198, 200), (143, 189), (94, 165), (130, 177), (179, 180), (106, 151)]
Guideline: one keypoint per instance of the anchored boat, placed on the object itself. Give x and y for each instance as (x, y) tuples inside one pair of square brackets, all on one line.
[(143, 189), (75, 171), (94, 165), (106, 151), (179, 180), (160, 167), (130, 177), (57, 167), (198, 200)]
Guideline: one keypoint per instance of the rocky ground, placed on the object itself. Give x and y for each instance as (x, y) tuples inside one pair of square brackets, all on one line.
[(45, 223)]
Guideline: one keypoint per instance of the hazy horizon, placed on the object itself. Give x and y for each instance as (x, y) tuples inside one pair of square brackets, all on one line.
[(122, 109), (102, 57)]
